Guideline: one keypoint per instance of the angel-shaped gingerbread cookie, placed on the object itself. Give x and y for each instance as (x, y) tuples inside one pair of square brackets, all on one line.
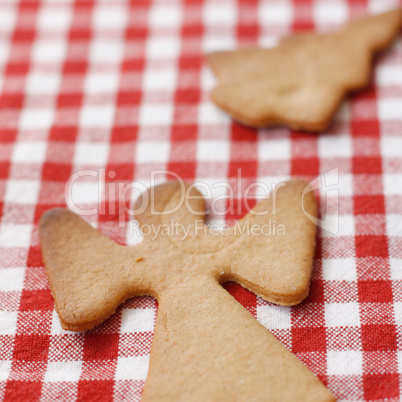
[(206, 346), (301, 82)]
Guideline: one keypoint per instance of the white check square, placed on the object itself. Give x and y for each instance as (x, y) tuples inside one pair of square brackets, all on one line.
[(213, 150), (388, 75), (39, 83), (328, 12), (12, 279), (54, 18), (339, 269), (338, 225), (5, 49), (275, 13), (334, 146), (82, 193), (390, 109), (208, 79), (8, 16), (36, 119), (379, 6), (110, 17), (5, 369), (152, 152), (63, 371), (162, 47), (345, 185), (342, 314), (96, 116), (398, 313), (155, 114), (274, 317), (90, 153), (22, 192), (219, 13), (165, 16), (56, 328), (329, 225), (159, 80), (394, 225), (392, 184), (132, 368), (210, 114), (399, 354), (49, 50), (396, 268), (106, 51), (274, 149), (15, 235), (29, 152), (391, 147), (101, 82), (137, 320), (348, 362), (213, 42), (8, 322)]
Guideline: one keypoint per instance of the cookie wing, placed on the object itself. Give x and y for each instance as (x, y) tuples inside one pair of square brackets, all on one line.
[(274, 255), (86, 285)]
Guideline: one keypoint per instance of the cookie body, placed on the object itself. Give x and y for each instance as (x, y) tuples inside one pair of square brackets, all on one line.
[(206, 345), (301, 82)]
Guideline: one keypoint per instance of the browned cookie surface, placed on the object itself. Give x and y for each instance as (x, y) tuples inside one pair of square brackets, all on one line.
[(301, 82), (206, 346)]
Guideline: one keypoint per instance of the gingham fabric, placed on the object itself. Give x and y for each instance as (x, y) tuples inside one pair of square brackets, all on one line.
[(122, 86)]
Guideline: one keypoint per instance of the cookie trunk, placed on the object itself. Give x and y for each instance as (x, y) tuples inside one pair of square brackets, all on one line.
[(208, 347)]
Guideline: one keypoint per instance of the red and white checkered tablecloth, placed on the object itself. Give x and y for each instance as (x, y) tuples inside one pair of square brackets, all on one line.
[(122, 86)]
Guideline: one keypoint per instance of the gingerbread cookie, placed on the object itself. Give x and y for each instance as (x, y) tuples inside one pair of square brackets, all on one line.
[(301, 82), (206, 345)]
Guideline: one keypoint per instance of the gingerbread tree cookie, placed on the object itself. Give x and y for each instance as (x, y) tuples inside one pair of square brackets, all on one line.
[(301, 82)]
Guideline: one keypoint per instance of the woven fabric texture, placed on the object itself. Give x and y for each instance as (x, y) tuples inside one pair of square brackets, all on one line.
[(116, 90)]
